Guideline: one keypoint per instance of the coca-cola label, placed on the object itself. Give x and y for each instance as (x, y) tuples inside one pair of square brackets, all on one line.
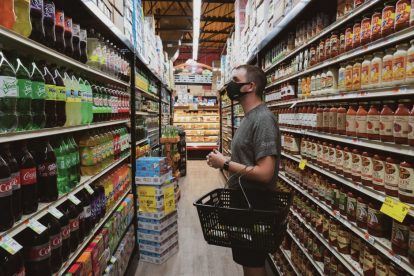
[(49, 10), (37, 253), (68, 24), (28, 176), (56, 241), (36, 5), (47, 169), (5, 187), (76, 30), (83, 35), (74, 224), (87, 211), (60, 19), (21, 272), (65, 231), (15, 180)]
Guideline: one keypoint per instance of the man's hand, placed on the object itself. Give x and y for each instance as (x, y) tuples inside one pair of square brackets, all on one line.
[(215, 159)]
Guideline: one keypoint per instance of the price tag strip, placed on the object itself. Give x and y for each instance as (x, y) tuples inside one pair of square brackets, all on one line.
[(395, 209), (89, 189), (74, 199), (147, 199), (302, 164), (36, 226), (55, 212), (10, 245)]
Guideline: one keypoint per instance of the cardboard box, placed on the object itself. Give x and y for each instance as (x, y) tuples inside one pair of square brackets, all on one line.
[(157, 236), (119, 6), (164, 179), (159, 258), (118, 20), (158, 247), (86, 260), (157, 225), (75, 270)]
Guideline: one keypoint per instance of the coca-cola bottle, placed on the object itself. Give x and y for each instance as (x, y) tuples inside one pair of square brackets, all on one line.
[(36, 248), (15, 180), (60, 98), (85, 198), (55, 238), (36, 17), (83, 45), (6, 194), (76, 41), (28, 179), (59, 28), (68, 36), (72, 213), (49, 23), (46, 171), (11, 264), (65, 234)]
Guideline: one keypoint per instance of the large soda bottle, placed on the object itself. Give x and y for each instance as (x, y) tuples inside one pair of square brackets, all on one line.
[(8, 95), (8, 17), (94, 50), (51, 99), (75, 150), (101, 199), (36, 17), (68, 36), (69, 105), (24, 100), (83, 97), (15, 180), (89, 108), (38, 98), (83, 46), (49, 23), (55, 238), (64, 233), (60, 99), (96, 103), (6, 197), (69, 163), (104, 53), (59, 28), (76, 41), (28, 179), (85, 199), (11, 264), (46, 171), (62, 166), (71, 212), (36, 248), (77, 102), (23, 26)]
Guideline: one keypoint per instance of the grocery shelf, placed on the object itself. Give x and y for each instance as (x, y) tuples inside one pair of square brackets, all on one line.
[(152, 130), (66, 265), (142, 141), (196, 122), (383, 92), (273, 263), (380, 196), (357, 11), (381, 244), (239, 115), (122, 236), (288, 257), (226, 106), (44, 207), (378, 145), (24, 44), (317, 266), (148, 95), (31, 134), (375, 45), (164, 101), (143, 113)]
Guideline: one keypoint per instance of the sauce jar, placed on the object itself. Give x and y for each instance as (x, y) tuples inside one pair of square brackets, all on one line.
[(377, 221), (325, 127), (406, 182), (348, 38), (339, 158), (378, 172), (347, 162), (402, 15), (411, 244), (321, 56), (351, 207), (373, 122), (333, 112), (366, 72), (387, 123), (341, 120), (319, 118), (388, 18), (325, 155), (381, 266), (327, 48), (327, 262), (333, 266), (351, 121), (410, 60), (344, 240), (399, 236), (356, 165), (376, 24), (341, 77), (401, 118), (361, 213), (399, 64), (312, 55), (387, 67), (334, 44), (319, 150), (392, 176), (333, 232), (376, 70), (361, 122), (355, 247), (331, 158), (356, 34), (369, 261), (395, 270), (361, 254), (348, 77), (342, 42), (365, 29), (336, 197), (366, 169), (325, 228), (411, 128), (342, 204), (356, 75)]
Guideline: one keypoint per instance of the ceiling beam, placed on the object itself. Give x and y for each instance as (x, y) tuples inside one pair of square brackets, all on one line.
[(203, 18), (177, 29), (204, 1), (205, 41)]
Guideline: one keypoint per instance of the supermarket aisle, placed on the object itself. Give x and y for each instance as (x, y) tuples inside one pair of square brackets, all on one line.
[(195, 257)]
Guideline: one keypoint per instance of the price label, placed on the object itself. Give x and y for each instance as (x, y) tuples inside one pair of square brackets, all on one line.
[(396, 258), (74, 199), (37, 226), (89, 189), (55, 212), (10, 245), (302, 164), (147, 199), (369, 238), (395, 209), (169, 199)]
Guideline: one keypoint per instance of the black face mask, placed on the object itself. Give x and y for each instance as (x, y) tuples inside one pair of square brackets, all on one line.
[(233, 90)]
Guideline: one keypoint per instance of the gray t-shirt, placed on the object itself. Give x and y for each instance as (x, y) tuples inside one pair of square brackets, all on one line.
[(257, 137)]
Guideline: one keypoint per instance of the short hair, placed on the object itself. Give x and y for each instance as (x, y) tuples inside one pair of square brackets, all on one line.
[(256, 75)]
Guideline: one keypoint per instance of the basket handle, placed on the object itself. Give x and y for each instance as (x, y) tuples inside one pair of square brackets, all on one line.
[(246, 172)]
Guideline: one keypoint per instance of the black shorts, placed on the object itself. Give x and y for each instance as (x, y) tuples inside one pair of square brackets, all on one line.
[(249, 257)]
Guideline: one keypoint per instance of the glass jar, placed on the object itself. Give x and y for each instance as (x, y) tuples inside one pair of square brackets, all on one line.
[(402, 15), (410, 61), (333, 232), (369, 260), (388, 18), (392, 175), (342, 41), (376, 24), (334, 44), (366, 72), (365, 29), (406, 182), (367, 169), (347, 163), (325, 127), (378, 173), (361, 122), (348, 77), (381, 266), (399, 64), (351, 208), (339, 157), (341, 120), (376, 70), (356, 165), (333, 112), (400, 235), (355, 247), (378, 222), (321, 56), (411, 128), (342, 201), (351, 121), (327, 48), (348, 38), (356, 34), (401, 118), (387, 67), (361, 213), (341, 77), (344, 240), (312, 54), (356, 75), (387, 123), (373, 122)]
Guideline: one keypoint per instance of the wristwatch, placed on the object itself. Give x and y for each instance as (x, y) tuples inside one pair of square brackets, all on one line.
[(226, 165)]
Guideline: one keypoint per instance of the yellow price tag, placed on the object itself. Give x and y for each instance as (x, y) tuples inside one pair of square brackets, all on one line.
[(169, 199), (302, 164), (147, 199), (395, 209)]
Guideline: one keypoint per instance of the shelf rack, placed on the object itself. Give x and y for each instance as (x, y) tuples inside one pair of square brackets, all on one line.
[(288, 257)]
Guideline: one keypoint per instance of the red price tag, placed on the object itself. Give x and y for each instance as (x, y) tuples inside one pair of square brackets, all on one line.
[(396, 258), (369, 238)]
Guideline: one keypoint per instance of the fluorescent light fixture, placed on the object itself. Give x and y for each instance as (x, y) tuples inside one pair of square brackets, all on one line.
[(196, 26)]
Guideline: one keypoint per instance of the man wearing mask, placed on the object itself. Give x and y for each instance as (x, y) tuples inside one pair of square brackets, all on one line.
[(255, 149)]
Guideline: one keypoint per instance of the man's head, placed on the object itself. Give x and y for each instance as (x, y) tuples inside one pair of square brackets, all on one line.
[(253, 78)]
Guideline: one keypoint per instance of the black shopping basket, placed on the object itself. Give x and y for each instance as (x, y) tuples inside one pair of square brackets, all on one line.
[(250, 219)]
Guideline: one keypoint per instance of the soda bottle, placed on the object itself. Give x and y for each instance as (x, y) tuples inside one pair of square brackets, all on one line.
[(76, 41), (71, 212), (55, 239), (62, 169), (89, 104), (8, 17), (75, 149), (46, 171), (64, 232), (94, 50), (28, 179), (60, 99), (68, 36), (6, 196), (83, 97), (8, 95), (68, 159), (11, 264), (36, 17), (23, 26), (49, 23), (73, 156), (85, 199), (96, 103), (88, 151), (69, 107), (83, 46), (24, 99), (51, 99), (36, 248), (38, 98), (77, 103), (15, 180), (104, 53), (100, 202), (59, 28)]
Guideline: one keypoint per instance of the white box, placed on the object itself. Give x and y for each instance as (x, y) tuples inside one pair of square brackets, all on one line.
[(155, 224), (159, 258), (157, 236), (158, 180), (158, 247)]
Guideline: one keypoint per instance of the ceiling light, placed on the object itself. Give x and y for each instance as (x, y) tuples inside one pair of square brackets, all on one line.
[(196, 26)]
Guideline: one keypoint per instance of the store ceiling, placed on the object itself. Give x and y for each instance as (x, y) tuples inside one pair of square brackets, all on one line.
[(174, 20)]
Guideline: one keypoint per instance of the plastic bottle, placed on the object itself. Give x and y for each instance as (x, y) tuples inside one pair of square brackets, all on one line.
[(55, 240), (60, 98), (59, 28), (12, 264), (24, 100), (76, 41), (83, 46), (77, 103), (68, 36), (62, 169), (23, 26), (84, 101), (89, 107), (75, 149), (8, 95), (94, 50), (88, 152), (38, 98), (72, 213), (49, 23), (51, 96), (6, 197), (36, 17), (8, 17), (69, 105), (71, 159)]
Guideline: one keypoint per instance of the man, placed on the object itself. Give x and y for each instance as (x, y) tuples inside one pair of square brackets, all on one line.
[(255, 149)]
